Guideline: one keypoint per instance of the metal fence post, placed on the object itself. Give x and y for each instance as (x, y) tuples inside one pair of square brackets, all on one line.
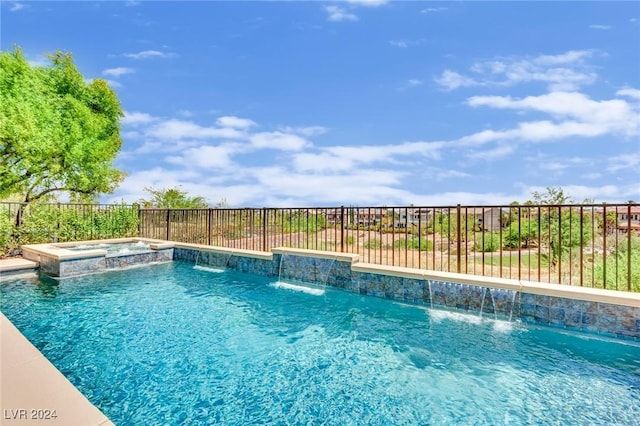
[(342, 229), (168, 224), (264, 228), (459, 240), (629, 247)]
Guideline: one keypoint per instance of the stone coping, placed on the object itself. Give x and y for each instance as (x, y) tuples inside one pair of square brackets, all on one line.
[(342, 257), (16, 264), (60, 251), (226, 250), (30, 382), (614, 297)]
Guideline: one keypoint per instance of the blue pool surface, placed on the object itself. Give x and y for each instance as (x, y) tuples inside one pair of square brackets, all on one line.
[(169, 344), (113, 248)]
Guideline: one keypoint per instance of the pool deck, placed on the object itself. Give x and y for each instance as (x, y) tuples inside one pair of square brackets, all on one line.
[(12, 264), (32, 390)]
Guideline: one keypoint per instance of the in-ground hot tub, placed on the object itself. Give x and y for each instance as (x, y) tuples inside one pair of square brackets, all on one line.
[(61, 260)]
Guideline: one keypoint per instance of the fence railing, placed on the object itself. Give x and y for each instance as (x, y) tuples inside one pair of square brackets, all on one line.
[(58, 222), (577, 244), (585, 245)]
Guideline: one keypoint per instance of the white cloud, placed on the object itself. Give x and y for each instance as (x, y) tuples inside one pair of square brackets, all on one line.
[(365, 154), (278, 140), (411, 83), (146, 54), (208, 160), (117, 72), (136, 118), (451, 80), (566, 71), (600, 27), (399, 43), (447, 174), (235, 122), (569, 57), (433, 9), (629, 92), (592, 117), (308, 131), (368, 3), (207, 157), (174, 129), (113, 83), (18, 6), (625, 161), (339, 14), (323, 162), (500, 151)]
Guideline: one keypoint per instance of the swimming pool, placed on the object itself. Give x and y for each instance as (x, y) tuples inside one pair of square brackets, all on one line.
[(167, 344), (113, 248)]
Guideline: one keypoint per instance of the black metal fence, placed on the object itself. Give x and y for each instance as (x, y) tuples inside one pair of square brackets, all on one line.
[(585, 245), (577, 244)]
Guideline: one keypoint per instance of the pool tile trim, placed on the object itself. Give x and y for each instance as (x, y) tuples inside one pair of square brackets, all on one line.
[(227, 250)]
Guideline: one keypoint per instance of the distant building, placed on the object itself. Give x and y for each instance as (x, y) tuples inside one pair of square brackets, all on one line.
[(411, 216), (628, 218), (488, 218)]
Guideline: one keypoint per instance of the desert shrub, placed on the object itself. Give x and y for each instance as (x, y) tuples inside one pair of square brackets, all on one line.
[(617, 272), (413, 243), (373, 243), (487, 242)]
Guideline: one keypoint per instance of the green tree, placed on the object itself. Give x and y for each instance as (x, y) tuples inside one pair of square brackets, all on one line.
[(57, 132), (521, 233), (172, 198), (551, 196)]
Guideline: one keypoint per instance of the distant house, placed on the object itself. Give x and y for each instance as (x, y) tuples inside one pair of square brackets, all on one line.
[(488, 218), (412, 216), (367, 217), (628, 218)]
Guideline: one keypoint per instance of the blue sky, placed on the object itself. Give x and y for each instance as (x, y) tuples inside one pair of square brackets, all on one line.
[(359, 102)]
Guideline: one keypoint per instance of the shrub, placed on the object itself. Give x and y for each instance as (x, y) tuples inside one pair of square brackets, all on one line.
[(414, 243), (617, 268), (6, 235), (487, 242), (373, 243)]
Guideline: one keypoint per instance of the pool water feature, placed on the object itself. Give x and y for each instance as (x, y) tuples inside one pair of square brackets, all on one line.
[(167, 344)]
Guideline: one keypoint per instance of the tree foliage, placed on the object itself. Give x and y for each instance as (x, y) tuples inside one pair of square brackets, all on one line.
[(57, 132), (172, 198), (550, 196)]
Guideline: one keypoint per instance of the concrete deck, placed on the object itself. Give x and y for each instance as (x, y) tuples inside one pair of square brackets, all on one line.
[(12, 264), (33, 391)]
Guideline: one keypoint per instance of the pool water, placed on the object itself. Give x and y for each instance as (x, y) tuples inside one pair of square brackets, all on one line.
[(113, 248), (168, 344)]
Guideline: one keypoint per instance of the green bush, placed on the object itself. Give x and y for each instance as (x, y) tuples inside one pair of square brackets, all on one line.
[(617, 272), (6, 235), (414, 243), (521, 234), (373, 243), (487, 242), (42, 223)]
